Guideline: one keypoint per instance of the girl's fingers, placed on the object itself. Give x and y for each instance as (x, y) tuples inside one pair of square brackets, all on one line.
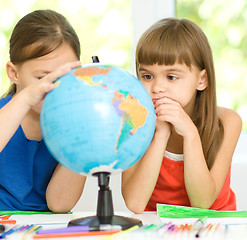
[(165, 100), (68, 66), (167, 108), (75, 64), (53, 76), (38, 90)]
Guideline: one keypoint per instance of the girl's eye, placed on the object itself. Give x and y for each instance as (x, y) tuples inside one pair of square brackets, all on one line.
[(147, 76), (172, 78), (40, 77)]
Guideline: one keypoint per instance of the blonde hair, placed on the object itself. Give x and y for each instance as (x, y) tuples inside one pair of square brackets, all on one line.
[(174, 40), (39, 33)]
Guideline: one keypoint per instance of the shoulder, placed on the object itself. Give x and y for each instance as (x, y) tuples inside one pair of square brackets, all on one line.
[(232, 123), (229, 118)]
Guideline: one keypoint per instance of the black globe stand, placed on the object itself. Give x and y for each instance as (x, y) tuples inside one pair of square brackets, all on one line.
[(105, 213)]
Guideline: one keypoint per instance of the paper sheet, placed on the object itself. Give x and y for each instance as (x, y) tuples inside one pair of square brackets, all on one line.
[(190, 214)]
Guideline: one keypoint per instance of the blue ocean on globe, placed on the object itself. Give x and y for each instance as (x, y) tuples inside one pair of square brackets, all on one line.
[(98, 118)]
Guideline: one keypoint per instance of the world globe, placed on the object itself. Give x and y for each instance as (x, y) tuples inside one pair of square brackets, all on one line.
[(98, 118)]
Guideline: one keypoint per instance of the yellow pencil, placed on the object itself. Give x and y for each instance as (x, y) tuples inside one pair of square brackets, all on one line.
[(120, 233), (32, 229)]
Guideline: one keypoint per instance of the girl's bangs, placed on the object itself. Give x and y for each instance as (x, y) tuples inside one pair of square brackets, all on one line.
[(165, 48)]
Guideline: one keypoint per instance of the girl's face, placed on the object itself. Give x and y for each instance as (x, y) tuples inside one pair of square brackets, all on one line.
[(177, 82), (35, 69)]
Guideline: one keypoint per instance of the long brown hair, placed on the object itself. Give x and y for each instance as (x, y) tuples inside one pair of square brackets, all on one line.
[(174, 40), (39, 33)]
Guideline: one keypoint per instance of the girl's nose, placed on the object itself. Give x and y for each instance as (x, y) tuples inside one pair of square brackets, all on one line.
[(158, 86)]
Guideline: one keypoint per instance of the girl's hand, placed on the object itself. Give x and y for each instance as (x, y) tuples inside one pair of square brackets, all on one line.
[(170, 111), (37, 91), (162, 128)]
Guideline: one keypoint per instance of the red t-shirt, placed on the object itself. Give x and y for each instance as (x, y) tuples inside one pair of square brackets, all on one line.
[(170, 189)]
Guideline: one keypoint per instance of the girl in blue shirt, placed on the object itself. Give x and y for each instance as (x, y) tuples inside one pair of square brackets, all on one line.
[(43, 47)]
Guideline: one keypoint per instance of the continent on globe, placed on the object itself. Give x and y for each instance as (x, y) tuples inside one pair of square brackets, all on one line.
[(86, 75), (133, 115)]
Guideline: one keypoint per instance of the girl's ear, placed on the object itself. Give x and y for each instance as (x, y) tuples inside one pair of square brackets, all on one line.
[(203, 83), (11, 70)]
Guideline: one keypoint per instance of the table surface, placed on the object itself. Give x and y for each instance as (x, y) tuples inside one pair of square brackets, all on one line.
[(237, 229)]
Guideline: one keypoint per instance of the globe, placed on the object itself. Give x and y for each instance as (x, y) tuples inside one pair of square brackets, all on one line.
[(98, 118)]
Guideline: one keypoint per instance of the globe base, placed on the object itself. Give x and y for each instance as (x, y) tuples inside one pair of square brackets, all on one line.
[(105, 213), (96, 222)]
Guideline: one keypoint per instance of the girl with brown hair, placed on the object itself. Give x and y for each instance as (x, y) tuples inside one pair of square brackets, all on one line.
[(43, 47), (189, 160)]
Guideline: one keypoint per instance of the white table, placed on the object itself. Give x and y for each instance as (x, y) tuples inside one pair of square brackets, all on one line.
[(235, 232)]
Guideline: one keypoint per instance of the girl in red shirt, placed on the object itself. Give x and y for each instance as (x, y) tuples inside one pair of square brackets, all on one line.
[(188, 161)]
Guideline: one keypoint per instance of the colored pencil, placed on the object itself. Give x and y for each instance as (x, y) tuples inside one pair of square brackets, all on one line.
[(74, 234), (7, 222), (120, 233)]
